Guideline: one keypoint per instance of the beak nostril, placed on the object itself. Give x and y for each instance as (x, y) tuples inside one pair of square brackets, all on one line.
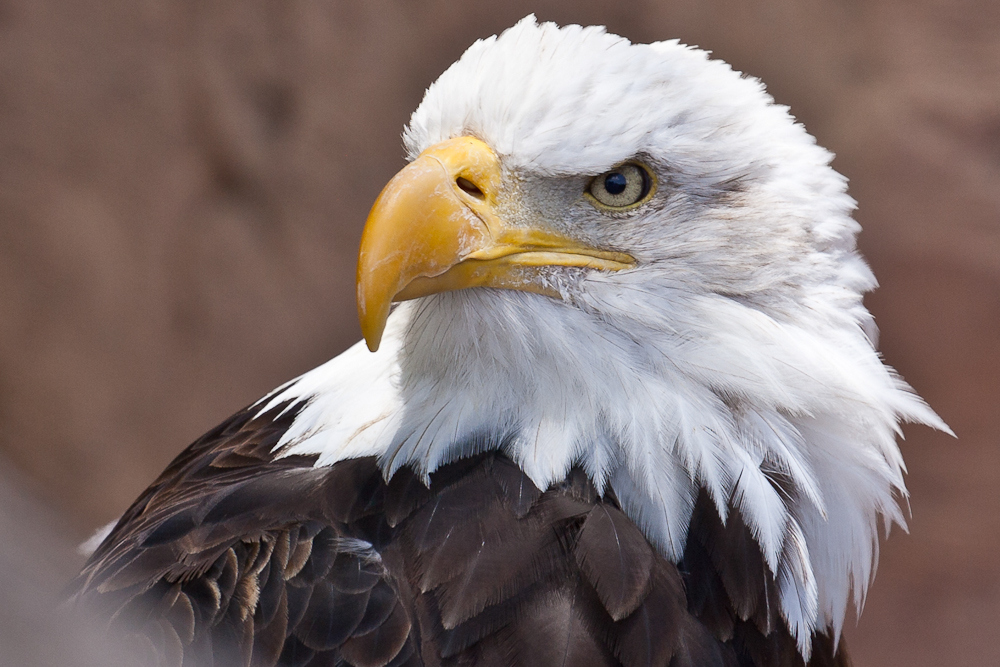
[(465, 185)]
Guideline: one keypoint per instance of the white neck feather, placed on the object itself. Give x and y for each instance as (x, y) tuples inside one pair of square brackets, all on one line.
[(719, 399)]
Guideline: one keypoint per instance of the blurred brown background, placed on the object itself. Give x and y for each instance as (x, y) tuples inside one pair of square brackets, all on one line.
[(182, 190)]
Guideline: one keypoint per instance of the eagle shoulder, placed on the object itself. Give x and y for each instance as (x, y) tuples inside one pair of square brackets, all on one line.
[(236, 556)]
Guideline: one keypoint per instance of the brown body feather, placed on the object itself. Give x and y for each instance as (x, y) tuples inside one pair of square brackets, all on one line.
[(234, 557)]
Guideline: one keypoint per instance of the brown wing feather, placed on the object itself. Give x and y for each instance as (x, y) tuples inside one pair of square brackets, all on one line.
[(734, 595), (235, 557), (616, 559)]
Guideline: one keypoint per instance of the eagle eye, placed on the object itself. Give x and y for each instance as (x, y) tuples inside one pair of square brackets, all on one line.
[(623, 187)]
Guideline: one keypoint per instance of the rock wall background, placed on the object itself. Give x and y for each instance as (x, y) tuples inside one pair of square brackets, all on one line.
[(182, 190)]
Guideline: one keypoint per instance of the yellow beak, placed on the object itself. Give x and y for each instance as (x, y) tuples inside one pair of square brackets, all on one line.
[(435, 228)]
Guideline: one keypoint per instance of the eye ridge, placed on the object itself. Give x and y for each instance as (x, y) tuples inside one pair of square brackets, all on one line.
[(626, 186)]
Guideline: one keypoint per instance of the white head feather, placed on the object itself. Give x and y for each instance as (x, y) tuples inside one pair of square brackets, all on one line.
[(737, 349)]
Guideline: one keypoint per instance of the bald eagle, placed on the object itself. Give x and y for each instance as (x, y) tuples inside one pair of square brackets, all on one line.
[(626, 410)]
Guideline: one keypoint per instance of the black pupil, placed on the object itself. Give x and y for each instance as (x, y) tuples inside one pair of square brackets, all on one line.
[(615, 183)]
